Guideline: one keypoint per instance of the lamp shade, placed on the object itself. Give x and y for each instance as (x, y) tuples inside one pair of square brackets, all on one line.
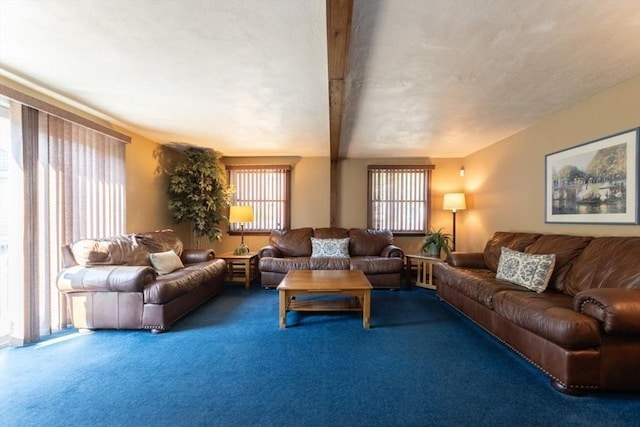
[(454, 202), (241, 214)]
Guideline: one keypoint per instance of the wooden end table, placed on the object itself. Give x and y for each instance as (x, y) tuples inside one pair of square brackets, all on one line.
[(424, 266), (325, 282), (241, 268)]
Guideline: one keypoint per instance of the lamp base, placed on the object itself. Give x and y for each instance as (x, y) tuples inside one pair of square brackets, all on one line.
[(241, 250)]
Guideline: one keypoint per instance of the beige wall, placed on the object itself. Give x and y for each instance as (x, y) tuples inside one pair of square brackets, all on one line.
[(505, 181), (147, 188)]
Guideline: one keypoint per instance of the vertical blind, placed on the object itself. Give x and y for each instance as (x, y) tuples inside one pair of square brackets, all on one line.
[(267, 190), (399, 198), (68, 183)]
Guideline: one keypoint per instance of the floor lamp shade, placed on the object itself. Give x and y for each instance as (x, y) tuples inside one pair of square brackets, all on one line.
[(241, 215), (454, 202)]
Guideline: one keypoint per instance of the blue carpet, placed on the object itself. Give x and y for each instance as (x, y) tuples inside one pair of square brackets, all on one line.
[(228, 364)]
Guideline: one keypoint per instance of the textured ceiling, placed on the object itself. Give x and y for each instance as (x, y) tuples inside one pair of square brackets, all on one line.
[(433, 78)]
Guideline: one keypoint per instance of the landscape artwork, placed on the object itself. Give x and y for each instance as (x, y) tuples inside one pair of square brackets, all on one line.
[(596, 182)]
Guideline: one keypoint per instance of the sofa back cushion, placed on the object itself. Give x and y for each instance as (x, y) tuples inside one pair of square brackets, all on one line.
[(606, 262), (161, 241), (566, 250), (331, 233), (364, 242), (516, 241), (117, 250), (292, 243)]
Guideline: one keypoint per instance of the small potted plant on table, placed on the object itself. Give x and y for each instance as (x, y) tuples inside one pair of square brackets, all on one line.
[(435, 242)]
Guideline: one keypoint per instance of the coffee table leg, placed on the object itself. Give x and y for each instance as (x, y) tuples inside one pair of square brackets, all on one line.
[(366, 309), (283, 309)]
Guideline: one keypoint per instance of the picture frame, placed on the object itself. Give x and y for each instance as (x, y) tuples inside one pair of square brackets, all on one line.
[(594, 183)]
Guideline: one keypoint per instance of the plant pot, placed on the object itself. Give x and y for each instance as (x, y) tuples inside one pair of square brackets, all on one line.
[(432, 250)]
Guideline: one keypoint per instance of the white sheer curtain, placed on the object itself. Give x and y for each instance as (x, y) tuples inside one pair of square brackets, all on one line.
[(69, 183)]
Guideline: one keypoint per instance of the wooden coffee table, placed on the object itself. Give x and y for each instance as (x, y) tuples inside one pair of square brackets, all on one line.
[(325, 282)]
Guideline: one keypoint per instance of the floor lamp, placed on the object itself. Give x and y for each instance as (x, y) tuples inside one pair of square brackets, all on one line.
[(454, 202), (241, 215)]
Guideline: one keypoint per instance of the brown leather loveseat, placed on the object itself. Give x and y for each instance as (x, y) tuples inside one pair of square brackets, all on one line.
[(371, 251), (583, 330), (137, 281)]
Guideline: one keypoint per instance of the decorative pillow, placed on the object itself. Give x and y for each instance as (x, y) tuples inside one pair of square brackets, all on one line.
[(165, 262), (528, 270), (329, 248)]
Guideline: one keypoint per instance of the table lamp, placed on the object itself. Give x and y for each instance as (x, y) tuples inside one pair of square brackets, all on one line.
[(241, 215), (454, 202)]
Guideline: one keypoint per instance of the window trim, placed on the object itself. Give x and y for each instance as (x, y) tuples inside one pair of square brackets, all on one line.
[(428, 175)]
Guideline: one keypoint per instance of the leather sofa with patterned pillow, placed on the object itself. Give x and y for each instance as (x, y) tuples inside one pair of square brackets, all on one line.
[(137, 281), (333, 248), (568, 304)]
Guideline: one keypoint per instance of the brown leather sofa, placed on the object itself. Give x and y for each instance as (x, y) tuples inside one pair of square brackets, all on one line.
[(583, 330), (371, 251), (111, 283)]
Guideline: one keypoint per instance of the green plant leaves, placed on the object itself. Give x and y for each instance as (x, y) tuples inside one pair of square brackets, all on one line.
[(198, 191)]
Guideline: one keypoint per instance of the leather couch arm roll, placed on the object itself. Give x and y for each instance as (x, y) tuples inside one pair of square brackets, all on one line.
[(617, 309), (466, 259), (108, 278), (270, 251), (392, 251), (193, 256)]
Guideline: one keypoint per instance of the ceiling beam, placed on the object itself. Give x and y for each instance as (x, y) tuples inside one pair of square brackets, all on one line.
[(338, 32), (339, 14)]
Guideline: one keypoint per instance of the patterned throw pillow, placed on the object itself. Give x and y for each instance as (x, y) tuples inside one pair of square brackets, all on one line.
[(528, 270), (330, 248)]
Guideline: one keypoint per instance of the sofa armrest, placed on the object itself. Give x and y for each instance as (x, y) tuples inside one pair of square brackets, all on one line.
[(270, 251), (466, 259), (107, 278), (392, 251), (192, 256), (617, 309)]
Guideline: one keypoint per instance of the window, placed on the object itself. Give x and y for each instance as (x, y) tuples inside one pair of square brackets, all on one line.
[(399, 198), (59, 181), (268, 190)]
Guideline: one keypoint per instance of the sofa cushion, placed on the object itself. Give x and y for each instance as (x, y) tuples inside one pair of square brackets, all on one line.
[(117, 250), (363, 242), (478, 284), (566, 248), (180, 282), (165, 262), (377, 265), (500, 239), (161, 241), (283, 265), (331, 233), (550, 315), (292, 243), (327, 248), (606, 262), (527, 270), (329, 263)]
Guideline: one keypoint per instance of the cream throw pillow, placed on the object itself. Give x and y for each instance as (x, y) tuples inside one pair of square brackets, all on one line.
[(166, 262), (329, 248), (529, 270)]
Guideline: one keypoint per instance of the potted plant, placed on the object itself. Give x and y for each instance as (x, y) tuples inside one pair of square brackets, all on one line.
[(198, 191), (435, 242)]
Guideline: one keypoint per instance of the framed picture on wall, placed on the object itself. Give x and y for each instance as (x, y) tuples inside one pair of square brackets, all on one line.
[(595, 183)]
